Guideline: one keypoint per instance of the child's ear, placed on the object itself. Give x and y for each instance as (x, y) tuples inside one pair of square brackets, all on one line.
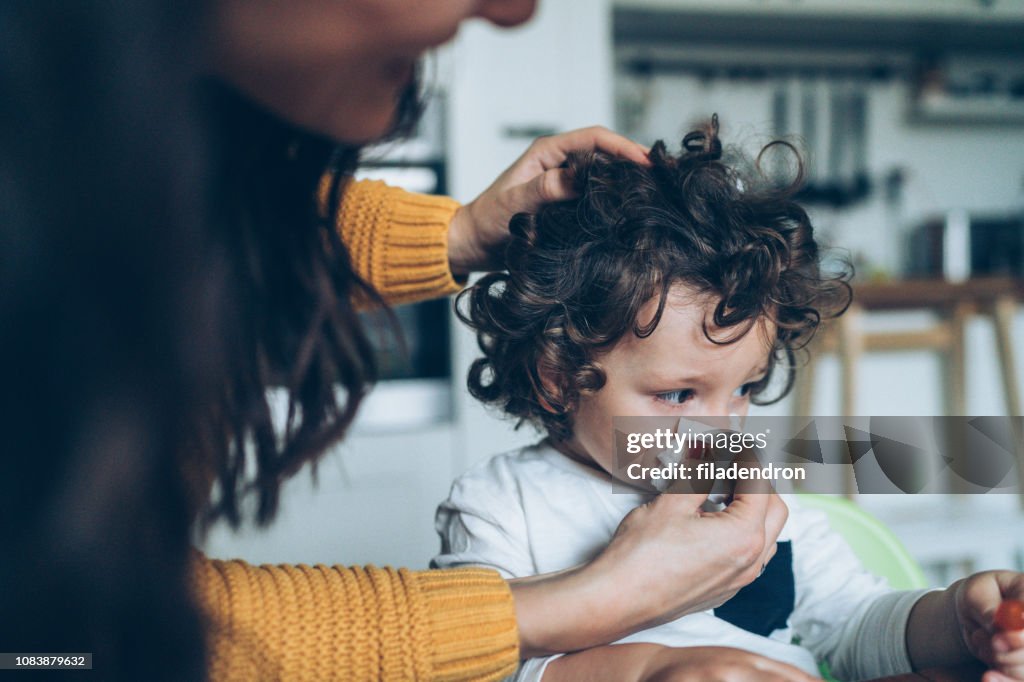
[(546, 390)]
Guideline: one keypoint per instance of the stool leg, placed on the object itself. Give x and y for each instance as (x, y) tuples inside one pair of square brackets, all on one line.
[(1002, 312), (954, 370), (803, 392), (851, 347), (954, 375)]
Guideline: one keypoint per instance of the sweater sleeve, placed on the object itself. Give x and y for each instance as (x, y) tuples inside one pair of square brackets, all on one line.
[(352, 623), (398, 240)]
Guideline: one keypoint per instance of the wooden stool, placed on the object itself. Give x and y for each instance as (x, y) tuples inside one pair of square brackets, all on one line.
[(954, 303)]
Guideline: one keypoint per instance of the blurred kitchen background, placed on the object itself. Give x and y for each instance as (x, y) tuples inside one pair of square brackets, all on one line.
[(910, 114)]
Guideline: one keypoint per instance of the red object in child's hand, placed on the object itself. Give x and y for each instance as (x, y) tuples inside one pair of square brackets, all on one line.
[(1010, 615)]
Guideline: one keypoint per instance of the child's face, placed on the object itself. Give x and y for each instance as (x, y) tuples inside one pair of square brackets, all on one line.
[(675, 371)]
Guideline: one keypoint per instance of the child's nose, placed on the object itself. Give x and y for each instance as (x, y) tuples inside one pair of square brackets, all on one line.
[(726, 405), (719, 406)]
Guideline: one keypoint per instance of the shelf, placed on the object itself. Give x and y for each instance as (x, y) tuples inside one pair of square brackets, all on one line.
[(972, 11), (960, 110), (906, 25)]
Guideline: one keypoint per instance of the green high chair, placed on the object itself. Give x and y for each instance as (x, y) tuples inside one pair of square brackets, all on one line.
[(878, 549), (876, 546)]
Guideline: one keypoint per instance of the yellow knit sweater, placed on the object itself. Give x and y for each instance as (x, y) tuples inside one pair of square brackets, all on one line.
[(355, 623)]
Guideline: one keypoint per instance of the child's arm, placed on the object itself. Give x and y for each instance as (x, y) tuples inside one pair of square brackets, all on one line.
[(656, 663), (957, 623), (843, 614)]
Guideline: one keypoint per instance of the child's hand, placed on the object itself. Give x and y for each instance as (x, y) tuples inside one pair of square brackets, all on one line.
[(977, 599), (718, 664), (655, 663)]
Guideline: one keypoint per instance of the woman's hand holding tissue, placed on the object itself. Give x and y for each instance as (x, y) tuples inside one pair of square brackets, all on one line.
[(667, 558)]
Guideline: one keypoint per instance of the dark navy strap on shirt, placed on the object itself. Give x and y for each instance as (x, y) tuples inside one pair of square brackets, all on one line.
[(766, 604)]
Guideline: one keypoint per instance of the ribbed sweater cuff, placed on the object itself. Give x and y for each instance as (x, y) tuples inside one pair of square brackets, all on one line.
[(355, 623), (473, 623), (398, 240)]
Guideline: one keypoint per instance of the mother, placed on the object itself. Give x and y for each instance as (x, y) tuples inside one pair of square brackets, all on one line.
[(179, 234)]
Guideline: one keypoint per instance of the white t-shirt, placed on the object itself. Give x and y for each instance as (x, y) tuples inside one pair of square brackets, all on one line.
[(535, 511)]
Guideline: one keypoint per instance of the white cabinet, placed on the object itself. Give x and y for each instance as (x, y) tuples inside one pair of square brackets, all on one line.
[(508, 86), (925, 25)]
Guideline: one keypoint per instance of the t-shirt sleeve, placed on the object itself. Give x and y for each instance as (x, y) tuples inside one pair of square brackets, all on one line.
[(482, 524), (844, 614)]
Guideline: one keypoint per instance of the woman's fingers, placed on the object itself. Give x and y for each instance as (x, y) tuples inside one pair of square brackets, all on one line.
[(551, 151), (680, 505), (551, 185), (479, 230), (750, 501), (775, 518), (551, 182), (764, 514)]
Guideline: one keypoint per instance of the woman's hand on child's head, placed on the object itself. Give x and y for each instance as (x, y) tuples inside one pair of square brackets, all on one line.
[(977, 600), (479, 229)]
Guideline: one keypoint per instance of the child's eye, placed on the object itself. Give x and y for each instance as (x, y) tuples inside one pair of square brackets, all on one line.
[(676, 397), (743, 390)]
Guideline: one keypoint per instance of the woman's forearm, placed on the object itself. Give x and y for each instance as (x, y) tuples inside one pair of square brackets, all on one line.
[(566, 611)]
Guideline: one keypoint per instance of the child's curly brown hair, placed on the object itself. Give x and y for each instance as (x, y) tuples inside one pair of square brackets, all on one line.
[(579, 271)]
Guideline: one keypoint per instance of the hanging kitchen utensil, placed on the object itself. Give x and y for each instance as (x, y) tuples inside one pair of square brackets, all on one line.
[(809, 130), (860, 183), (780, 127), (837, 141)]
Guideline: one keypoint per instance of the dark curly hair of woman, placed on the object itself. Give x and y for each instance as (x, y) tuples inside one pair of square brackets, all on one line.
[(579, 272)]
